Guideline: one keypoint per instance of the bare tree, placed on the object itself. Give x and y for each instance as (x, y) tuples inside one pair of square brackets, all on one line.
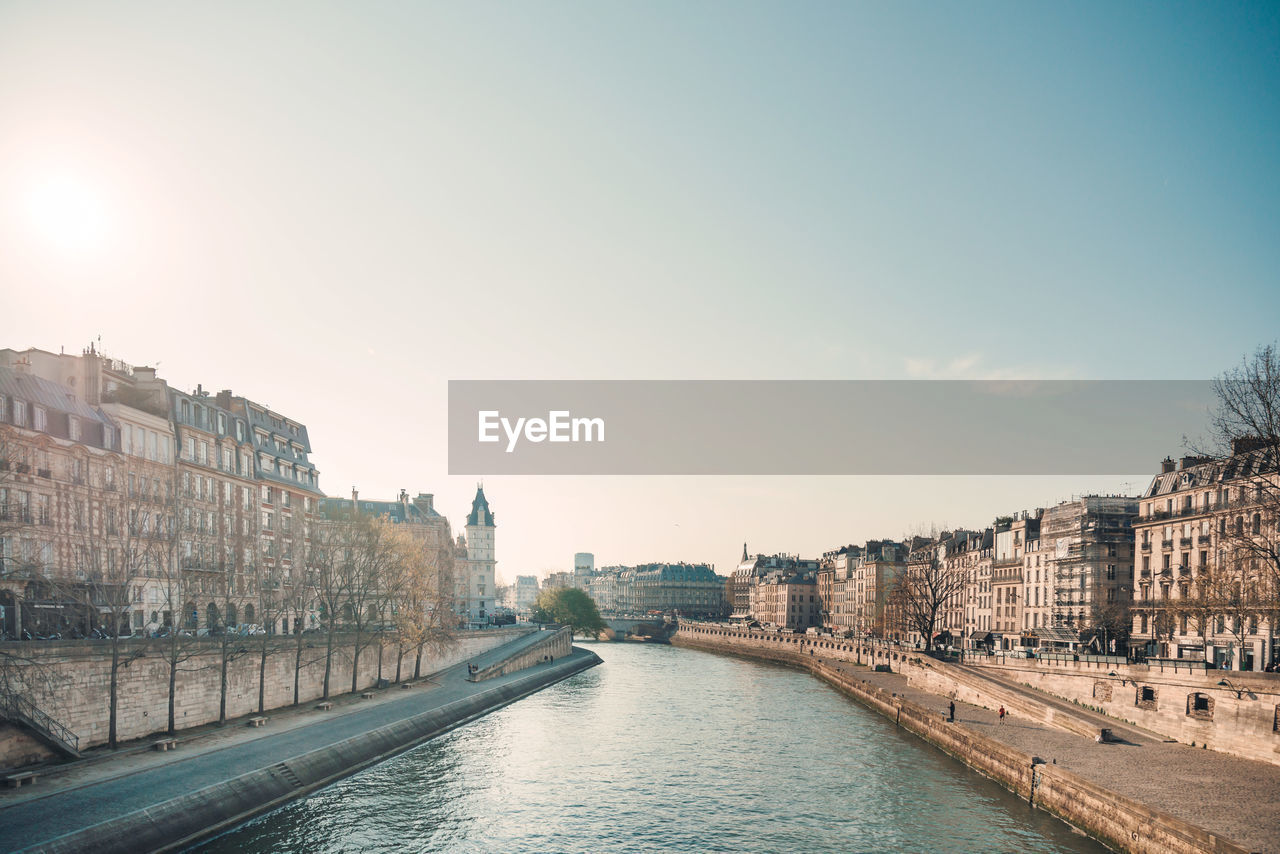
[(177, 633), (373, 557), (923, 590), (111, 561), (424, 615), (1246, 443), (328, 566)]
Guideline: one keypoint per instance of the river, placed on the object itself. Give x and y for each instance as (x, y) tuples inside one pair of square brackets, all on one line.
[(666, 749)]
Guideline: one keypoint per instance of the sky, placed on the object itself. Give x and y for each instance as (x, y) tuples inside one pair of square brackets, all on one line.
[(337, 208)]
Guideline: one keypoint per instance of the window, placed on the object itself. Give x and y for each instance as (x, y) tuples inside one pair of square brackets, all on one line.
[(41, 421), (20, 413), (1200, 706), (73, 428)]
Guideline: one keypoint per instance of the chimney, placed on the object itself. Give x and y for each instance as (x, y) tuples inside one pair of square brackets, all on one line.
[(224, 398), (1245, 444), (355, 495), (424, 502), (1167, 465), (144, 373), (404, 498)]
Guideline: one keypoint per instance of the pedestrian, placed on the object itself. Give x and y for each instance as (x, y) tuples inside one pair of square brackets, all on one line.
[(1001, 714), (951, 717)]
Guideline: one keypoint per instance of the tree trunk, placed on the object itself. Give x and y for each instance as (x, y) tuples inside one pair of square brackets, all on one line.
[(417, 666), (262, 677), (399, 659), (222, 697), (114, 699), (355, 664), (328, 659), (297, 670), (173, 688)]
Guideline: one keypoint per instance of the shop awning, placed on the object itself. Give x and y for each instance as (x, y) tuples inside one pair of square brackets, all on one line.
[(1059, 634)]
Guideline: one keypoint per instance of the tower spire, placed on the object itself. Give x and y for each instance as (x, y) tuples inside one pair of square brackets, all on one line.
[(744, 551)]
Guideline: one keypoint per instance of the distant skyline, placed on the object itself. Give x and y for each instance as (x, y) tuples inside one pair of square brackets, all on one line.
[(336, 209)]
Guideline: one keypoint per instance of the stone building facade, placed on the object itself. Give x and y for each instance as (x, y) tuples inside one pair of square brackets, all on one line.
[(1204, 590)]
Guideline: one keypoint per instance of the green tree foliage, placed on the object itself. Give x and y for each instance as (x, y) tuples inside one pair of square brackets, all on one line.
[(571, 607)]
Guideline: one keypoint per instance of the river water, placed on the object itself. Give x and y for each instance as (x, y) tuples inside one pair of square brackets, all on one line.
[(666, 749)]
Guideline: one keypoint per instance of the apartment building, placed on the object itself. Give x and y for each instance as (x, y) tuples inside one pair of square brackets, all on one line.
[(1202, 590)]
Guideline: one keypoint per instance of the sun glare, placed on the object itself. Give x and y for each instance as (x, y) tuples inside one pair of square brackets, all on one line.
[(68, 214)]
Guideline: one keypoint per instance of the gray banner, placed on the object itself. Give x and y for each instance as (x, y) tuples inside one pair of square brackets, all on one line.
[(949, 427)]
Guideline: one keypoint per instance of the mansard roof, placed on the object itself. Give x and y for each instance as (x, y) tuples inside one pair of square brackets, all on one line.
[(51, 395), (1209, 472)]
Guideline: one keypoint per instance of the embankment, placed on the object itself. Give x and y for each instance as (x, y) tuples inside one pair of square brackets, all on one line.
[(70, 681), (1116, 821), (175, 823)]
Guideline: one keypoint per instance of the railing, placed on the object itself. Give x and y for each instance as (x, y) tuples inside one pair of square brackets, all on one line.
[(17, 707)]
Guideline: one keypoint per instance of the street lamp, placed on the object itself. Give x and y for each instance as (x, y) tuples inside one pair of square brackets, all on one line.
[(1225, 683)]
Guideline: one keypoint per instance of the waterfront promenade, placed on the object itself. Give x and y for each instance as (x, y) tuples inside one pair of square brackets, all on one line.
[(104, 803), (1234, 797)]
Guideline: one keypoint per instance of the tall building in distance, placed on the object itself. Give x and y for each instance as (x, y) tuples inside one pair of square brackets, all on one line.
[(476, 583), (584, 567)]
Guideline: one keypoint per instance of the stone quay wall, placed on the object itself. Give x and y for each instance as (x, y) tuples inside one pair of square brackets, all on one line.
[(1118, 822), (1241, 718), (71, 682), (197, 815), (557, 644)]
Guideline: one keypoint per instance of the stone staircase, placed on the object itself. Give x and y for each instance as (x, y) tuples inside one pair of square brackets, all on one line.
[(18, 709)]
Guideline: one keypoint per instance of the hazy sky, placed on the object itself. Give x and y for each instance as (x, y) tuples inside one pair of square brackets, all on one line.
[(335, 209)]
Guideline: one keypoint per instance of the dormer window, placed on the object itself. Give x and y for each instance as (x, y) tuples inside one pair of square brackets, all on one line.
[(41, 418), (73, 428)]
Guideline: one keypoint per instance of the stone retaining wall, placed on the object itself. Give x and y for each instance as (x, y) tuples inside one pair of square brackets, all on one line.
[(1247, 724), (555, 645), (1118, 822), (191, 817), (77, 679)]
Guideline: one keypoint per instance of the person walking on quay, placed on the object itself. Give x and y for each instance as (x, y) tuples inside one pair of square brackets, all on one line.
[(951, 716), (1001, 714)]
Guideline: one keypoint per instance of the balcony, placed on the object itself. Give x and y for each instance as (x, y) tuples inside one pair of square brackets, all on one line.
[(1146, 573), (1185, 542), (1166, 544), (1203, 539), (1146, 547), (46, 473)]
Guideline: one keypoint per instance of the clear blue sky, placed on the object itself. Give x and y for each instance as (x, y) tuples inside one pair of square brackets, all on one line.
[(337, 208)]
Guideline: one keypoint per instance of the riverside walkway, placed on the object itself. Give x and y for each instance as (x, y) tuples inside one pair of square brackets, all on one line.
[(105, 795), (1238, 798)]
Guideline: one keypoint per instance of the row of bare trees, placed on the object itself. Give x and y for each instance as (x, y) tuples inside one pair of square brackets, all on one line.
[(357, 580)]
